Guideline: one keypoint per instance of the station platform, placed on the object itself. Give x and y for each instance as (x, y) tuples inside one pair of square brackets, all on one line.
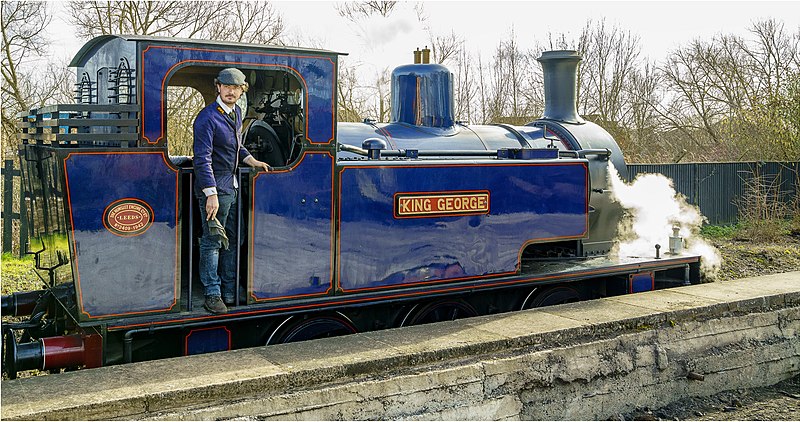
[(588, 360)]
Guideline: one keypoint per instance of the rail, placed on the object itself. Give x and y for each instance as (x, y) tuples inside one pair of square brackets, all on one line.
[(84, 124)]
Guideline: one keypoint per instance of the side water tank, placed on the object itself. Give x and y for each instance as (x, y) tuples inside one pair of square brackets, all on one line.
[(422, 94)]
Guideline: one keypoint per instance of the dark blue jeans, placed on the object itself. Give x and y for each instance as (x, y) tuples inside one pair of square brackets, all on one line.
[(218, 265)]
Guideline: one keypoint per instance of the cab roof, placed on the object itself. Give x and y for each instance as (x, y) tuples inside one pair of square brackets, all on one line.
[(85, 51)]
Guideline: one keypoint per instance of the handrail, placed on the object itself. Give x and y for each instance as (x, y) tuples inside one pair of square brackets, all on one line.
[(464, 153)]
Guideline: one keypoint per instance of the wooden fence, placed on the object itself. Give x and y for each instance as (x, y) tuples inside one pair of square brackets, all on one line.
[(9, 216)]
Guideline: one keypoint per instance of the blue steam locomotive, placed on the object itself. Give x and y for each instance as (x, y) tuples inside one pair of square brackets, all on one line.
[(360, 226)]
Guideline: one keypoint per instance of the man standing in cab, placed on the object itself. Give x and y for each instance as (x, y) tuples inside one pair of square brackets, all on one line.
[(218, 150)]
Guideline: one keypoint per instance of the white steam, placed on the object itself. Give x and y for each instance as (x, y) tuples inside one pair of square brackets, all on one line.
[(381, 31), (654, 208)]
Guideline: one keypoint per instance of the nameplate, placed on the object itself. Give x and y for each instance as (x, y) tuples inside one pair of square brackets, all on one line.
[(436, 204)]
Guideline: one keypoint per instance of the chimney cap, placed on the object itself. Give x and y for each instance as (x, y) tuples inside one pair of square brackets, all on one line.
[(559, 55), (560, 69)]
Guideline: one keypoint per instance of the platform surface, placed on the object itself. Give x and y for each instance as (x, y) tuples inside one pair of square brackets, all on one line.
[(141, 388)]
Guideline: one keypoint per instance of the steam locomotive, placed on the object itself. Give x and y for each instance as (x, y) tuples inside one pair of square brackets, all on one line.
[(360, 226)]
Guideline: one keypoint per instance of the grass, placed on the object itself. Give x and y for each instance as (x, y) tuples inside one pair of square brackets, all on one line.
[(18, 274)]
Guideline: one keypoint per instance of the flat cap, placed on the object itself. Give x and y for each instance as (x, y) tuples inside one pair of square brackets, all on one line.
[(231, 76)]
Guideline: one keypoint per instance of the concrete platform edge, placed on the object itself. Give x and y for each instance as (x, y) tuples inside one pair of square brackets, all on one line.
[(741, 333)]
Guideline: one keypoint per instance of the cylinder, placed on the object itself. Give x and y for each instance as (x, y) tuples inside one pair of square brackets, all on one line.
[(20, 303), (62, 352), (53, 353), (560, 69)]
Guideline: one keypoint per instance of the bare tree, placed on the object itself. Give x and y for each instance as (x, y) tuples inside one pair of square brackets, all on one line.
[(383, 86), (497, 89), (376, 96), (357, 10), (464, 87), (788, 114), (23, 26), (27, 83), (351, 105), (169, 18), (504, 84), (445, 47), (515, 59), (725, 94), (449, 50), (775, 55), (250, 22), (182, 107), (358, 101), (610, 58), (643, 122), (483, 92), (255, 22), (376, 88)]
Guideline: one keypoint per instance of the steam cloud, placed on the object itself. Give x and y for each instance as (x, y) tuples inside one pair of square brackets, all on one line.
[(654, 208), (381, 32)]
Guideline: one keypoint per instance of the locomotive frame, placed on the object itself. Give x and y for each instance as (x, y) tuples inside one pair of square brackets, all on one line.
[(361, 226)]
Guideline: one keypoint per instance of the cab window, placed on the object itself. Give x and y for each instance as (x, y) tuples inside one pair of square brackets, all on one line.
[(273, 112)]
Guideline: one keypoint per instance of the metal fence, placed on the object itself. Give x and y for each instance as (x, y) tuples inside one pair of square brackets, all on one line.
[(720, 189)]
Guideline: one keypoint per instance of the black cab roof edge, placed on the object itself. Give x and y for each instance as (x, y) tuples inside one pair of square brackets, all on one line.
[(102, 39)]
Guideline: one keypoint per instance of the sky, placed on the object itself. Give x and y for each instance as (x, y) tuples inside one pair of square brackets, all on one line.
[(661, 26)]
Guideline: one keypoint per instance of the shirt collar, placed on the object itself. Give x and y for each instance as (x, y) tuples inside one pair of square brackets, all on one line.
[(223, 105)]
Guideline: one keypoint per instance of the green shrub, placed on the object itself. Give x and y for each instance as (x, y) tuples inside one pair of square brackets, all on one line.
[(719, 232), (765, 230)]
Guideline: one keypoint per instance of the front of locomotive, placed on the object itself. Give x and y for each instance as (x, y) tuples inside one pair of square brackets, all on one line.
[(422, 126), (587, 140)]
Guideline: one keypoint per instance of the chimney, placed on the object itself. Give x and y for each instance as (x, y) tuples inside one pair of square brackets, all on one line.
[(560, 69), (426, 55)]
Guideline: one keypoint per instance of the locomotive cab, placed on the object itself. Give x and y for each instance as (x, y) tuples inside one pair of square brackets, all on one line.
[(273, 131)]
